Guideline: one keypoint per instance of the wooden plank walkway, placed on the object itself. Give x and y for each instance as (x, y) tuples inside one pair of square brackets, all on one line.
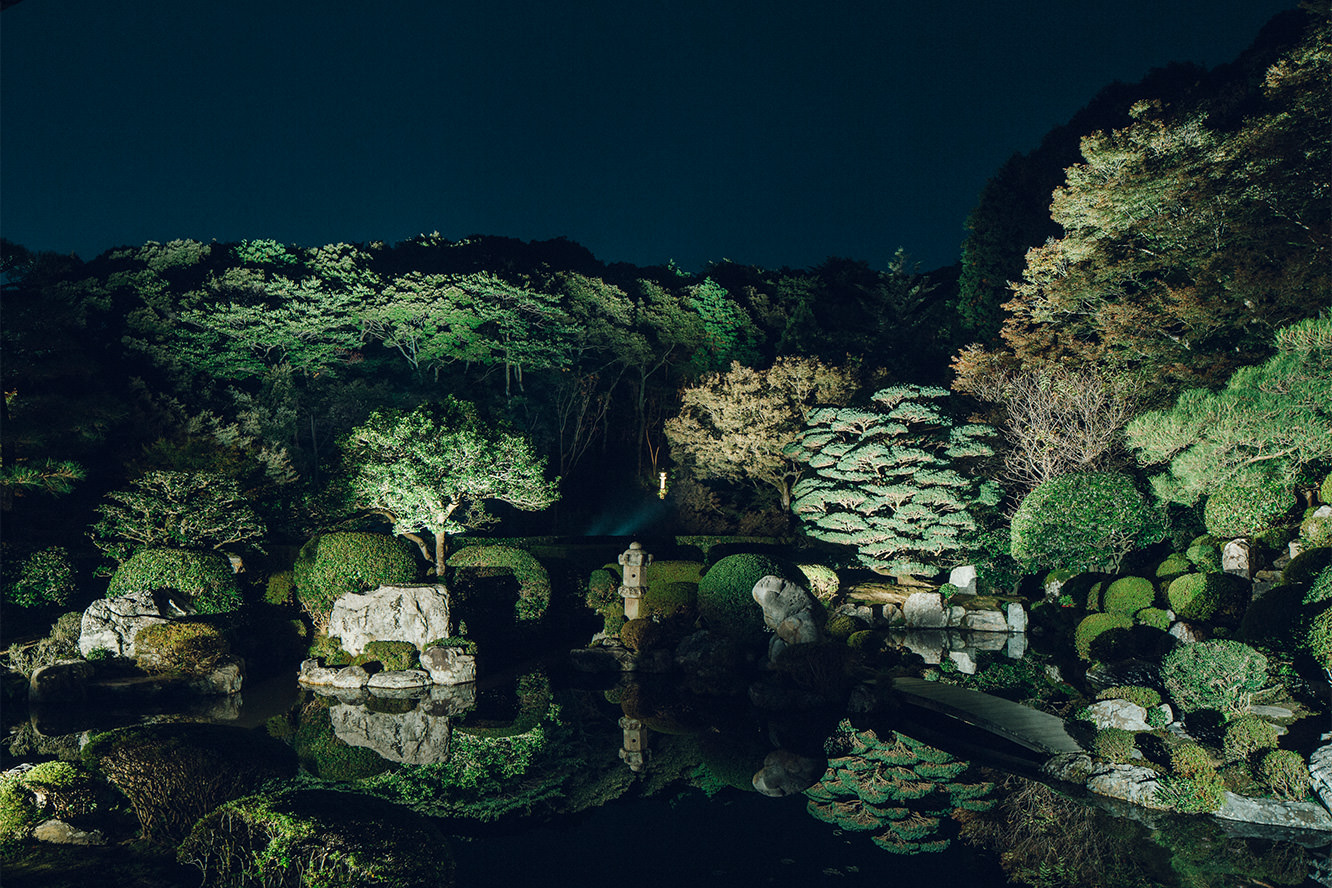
[(1030, 728)]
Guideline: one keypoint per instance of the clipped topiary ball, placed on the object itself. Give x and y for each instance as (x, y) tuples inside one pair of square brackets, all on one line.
[(1190, 760), (1318, 640), (1128, 595), (1154, 617), (1084, 521), (1198, 596), (333, 564), (1246, 735), (205, 578), (1246, 511), (1286, 774), (725, 594), (1175, 565), (1098, 634), (640, 635), (1305, 567)]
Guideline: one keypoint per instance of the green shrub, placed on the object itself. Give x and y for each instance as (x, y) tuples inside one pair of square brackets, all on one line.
[(1128, 595), (1199, 596), (1190, 760), (281, 588), (334, 564), (1219, 674), (1285, 773), (640, 635), (67, 790), (533, 579), (1173, 566), (329, 651), (1306, 566), (674, 572), (1157, 717), (1091, 639), (1206, 557), (1325, 490), (1318, 640), (1144, 697), (318, 838), (1202, 794), (1316, 530), (1114, 745), (1094, 591), (1245, 735), (46, 577), (184, 646), (1246, 511), (1155, 617), (823, 581), (205, 578), (1320, 590), (725, 594), (18, 809), (61, 644), (394, 656), (1084, 521), (669, 600)]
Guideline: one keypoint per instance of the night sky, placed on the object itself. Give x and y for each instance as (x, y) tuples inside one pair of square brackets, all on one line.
[(770, 133)]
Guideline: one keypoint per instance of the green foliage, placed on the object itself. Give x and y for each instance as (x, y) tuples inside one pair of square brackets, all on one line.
[(1246, 735), (323, 754), (1205, 555), (900, 481), (674, 572), (823, 581), (46, 577), (318, 838), (640, 635), (1318, 640), (533, 579), (1144, 697), (1084, 521), (1201, 794), (1114, 745), (206, 578), (1199, 596), (1155, 617), (334, 564), (842, 626), (1306, 566), (1247, 510), (18, 811), (329, 651), (670, 599), (280, 588), (725, 594), (188, 647), (1285, 773), (1176, 564), (1325, 490), (1317, 530), (177, 510), (392, 655), (173, 774), (1190, 759), (1096, 636), (1220, 674), (1128, 595)]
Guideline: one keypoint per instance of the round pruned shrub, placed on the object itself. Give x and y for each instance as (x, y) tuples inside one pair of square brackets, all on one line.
[(1097, 636), (1114, 745), (1144, 697), (1285, 773), (533, 579), (334, 564), (205, 578), (679, 599), (640, 635), (1190, 760), (184, 646), (1316, 530), (46, 577), (1306, 566), (1205, 555), (1199, 596), (1128, 595), (1085, 521), (725, 594), (1318, 640), (1320, 590), (1154, 617), (1246, 510), (1220, 674), (1246, 735), (1175, 565)]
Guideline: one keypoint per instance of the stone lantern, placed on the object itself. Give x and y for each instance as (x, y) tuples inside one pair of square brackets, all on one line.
[(634, 583), (634, 750)]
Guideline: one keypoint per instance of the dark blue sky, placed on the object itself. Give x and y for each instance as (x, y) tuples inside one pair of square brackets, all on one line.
[(771, 133)]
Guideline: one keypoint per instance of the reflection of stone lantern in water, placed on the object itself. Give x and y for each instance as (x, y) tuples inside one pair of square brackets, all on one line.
[(634, 750), (634, 561)]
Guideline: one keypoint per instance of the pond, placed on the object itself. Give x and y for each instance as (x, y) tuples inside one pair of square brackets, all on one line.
[(545, 776)]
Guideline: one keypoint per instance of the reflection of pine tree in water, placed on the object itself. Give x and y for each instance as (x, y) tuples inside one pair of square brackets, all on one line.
[(897, 787)]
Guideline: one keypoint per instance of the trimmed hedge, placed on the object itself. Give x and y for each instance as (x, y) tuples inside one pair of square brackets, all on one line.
[(1128, 595), (533, 580), (1220, 674), (725, 594), (1084, 521), (1174, 565), (333, 564), (1306, 566), (668, 600), (1246, 511), (1087, 637), (206, 578), (1153, 617), (1198, 596)]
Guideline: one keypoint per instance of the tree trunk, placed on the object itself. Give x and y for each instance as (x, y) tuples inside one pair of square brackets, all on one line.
[(441, 554)]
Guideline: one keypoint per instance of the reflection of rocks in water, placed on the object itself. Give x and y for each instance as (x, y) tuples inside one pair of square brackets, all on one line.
[(961, 647), (411, 727), (54, 720), (785, 773)]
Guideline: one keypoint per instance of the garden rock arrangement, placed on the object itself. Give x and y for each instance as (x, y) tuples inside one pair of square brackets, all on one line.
[(415, 613), (111, 624)]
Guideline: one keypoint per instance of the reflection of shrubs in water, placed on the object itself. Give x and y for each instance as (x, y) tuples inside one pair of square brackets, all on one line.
[(317, 838), (817, 667), (898, 788), (322, 754), (174, 774)]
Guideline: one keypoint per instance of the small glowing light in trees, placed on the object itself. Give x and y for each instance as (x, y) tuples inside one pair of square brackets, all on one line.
[(661, 491)]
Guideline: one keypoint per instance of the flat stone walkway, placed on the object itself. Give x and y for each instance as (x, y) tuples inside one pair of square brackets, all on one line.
[(1027, 727)]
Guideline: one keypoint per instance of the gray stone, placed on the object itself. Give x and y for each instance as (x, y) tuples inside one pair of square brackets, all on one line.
[(1017, 617), (985, 621), (928, 644), (418, 614), (1016, 648), (226, 678), (966, 664), (1320, 773), (784, 773), (414, 738), (1235, 558), (1122, 714), (1132, 783), (399, 679), (1269, 712), (449, 700), (956, 613), (313, 674), (1187, 633), (64, 681), (964, 578), (924, 610), (58, 832), (989, 641), (449, 665), (791, 611), (350, 678), (112, 623), (1275, 812), (1070, 767)]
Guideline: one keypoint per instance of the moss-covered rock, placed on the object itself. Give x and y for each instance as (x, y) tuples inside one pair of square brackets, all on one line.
[(185, 646), (393, 656)]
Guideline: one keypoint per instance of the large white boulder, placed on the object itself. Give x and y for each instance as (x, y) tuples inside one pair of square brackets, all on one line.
[(418, 614), (112, 623)]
